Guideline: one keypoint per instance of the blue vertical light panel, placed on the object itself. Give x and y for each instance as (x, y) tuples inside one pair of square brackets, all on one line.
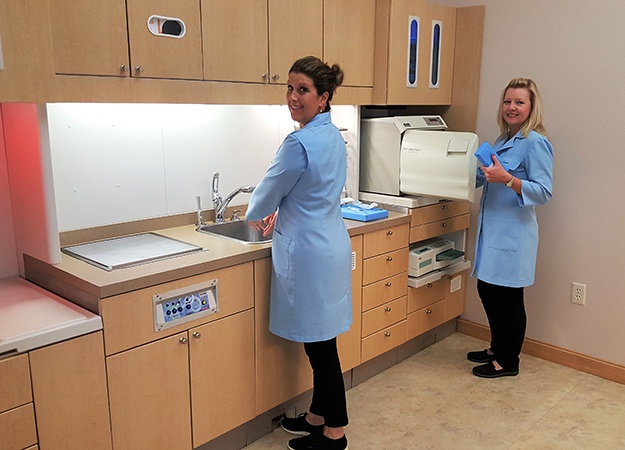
[(413, 51), (435, 60)]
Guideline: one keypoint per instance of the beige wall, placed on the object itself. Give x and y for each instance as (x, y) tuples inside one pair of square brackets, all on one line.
[(574, 50)]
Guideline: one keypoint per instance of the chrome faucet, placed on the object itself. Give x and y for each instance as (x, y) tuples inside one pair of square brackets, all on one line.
[(220, 204)]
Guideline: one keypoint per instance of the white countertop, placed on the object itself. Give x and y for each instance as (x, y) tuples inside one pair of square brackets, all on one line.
[(32, 317)]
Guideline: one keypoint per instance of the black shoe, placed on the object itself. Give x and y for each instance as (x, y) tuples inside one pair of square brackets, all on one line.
[(480, 357), (299, 425), (488, 371), (317, 441)]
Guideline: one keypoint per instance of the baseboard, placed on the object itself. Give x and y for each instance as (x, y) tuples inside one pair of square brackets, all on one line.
[(578, 361)]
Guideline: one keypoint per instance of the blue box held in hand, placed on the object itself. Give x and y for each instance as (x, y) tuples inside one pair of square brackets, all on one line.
[(483, 155)]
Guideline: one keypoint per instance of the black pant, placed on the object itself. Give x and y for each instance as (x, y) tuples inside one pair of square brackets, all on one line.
[(505, 311), (328, 399)]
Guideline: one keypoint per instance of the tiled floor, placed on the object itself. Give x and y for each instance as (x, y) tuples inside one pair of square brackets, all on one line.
[(432, 401)]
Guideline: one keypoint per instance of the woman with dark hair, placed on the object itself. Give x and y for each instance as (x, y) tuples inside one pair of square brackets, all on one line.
[(299, 199), (507, 235)]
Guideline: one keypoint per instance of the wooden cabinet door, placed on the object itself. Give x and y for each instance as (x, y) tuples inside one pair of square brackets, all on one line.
[(420, 91), (70, 396), (89, 37), (153, 56), (349, 342), (282, 368), (295, 31), (235, 40), (149, 396), (455, 291), (222, 376), (349, 38)]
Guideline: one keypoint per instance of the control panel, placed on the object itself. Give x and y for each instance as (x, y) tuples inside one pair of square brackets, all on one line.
[(185, 304)]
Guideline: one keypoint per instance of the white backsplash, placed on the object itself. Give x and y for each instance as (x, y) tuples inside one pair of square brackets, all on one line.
[(116, 163)]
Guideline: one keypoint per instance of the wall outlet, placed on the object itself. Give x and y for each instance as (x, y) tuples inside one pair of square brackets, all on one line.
[(578, 293)]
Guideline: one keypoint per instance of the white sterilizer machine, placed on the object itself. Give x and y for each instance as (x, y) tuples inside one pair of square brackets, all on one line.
[(415, 156)]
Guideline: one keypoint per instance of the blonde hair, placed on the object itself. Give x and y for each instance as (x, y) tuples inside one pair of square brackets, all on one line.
[(535, 120)]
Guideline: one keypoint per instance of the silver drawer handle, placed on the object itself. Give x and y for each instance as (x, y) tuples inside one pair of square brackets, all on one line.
[(388, 284), (183, 340), (444, 207), (429, 285), (387, 334), (444, 225), (387, 309), (197, 335), (428, 311), (389, 233), (389, 258)]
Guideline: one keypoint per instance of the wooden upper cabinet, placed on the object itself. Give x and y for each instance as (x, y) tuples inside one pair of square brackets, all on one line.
[(295, 31), (165, 55), (235, 40), (420, 74), (94, 38), (89, 38), (349, 39)]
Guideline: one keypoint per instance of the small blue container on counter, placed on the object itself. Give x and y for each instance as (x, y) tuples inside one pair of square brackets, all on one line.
[(363, 214)]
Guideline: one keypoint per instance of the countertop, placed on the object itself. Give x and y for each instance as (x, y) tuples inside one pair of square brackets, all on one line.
[(85, 284), (31, 317)]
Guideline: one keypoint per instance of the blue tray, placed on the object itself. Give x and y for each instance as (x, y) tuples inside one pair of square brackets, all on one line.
[(363, 215)]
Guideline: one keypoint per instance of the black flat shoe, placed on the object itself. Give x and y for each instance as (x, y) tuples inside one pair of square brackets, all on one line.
[(488, 371), (480, 357)]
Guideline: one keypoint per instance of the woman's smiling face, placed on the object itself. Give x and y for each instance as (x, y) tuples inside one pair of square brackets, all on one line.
[(302, 98), (516, 108)]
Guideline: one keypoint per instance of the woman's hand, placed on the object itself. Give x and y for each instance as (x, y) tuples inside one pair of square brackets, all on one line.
[(266, 225), (495, 173)]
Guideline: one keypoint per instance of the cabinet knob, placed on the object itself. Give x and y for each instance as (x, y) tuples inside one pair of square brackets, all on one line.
[(389, 233), (265, 77), (428, 311), (387, 309), (444, 207), (183, 340), (388, 284), (197, 334), (275, 77), (123, 68), (387, 334), (444, 225), (429, 285), (139, 69), (389, 258)]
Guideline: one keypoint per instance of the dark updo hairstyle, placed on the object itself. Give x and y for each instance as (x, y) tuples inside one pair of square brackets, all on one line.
[(324, 77)]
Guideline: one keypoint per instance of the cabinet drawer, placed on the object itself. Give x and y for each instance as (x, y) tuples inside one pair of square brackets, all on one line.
[(383, 291), (383, 316), (128, 319), (383, 341), (382, 241), (17, 428), (425, 295), (384, 266), (434, 229), (425, 319), (440, 211), (455, 289), (14, 383)]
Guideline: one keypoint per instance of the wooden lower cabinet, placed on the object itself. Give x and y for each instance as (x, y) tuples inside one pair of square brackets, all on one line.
[(455, 291), (70, 394), (222, 376), (184, 390), (17, 428), (150, 396)]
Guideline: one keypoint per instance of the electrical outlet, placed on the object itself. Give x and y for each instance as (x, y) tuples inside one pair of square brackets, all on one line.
[(578, 293)]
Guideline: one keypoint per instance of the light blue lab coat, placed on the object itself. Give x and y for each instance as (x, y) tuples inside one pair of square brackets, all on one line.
[(311, 251), (507, 234)]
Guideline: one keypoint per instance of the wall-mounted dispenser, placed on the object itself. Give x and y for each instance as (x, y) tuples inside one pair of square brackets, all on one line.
[(166, 26)]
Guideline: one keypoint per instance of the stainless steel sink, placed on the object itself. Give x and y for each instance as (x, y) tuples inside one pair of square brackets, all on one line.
[(239, 230)]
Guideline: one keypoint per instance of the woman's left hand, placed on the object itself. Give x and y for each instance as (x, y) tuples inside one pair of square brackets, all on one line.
[(266, 225), (496, 173)]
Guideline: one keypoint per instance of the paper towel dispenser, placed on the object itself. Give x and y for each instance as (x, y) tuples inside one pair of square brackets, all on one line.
[(417, 156)]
